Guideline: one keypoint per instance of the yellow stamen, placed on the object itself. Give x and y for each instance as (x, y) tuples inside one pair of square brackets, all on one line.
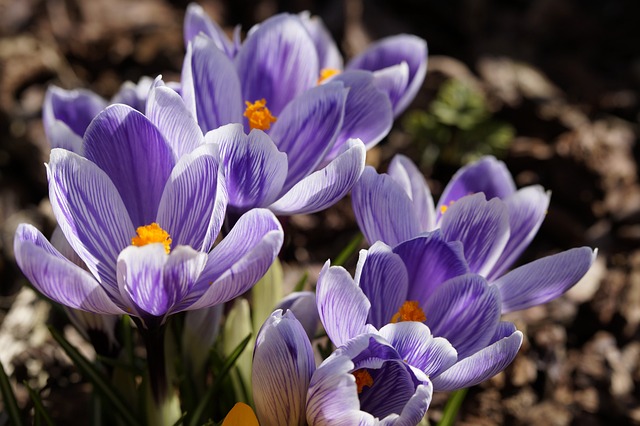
[(259, 115), (444, 207), (327, 73), (363, 378), (152, 233), (409, 311)]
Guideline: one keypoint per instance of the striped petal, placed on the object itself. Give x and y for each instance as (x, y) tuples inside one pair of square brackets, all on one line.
[(407, 175), (283, 363), (196, 22), (135, 155), (56, 277)]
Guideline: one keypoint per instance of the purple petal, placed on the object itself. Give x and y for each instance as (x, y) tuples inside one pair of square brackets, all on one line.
[(392, 81), (253, 167), (544, 279), (277, 62), (393, 51), (328, 54), (466, 311), (90, 213), (486, 175), (527, 209), (74, 108), (324, 187), (483, 228), (283, 363), (407, 175), (307, 128), (210, 85), (166, 109), (239, 261), (338, 298), (56, 277), (134, 95), (60, 135), (417, 346), (367, 115), (384, 211), (415, 410), (155, 281), (303, 305), (383, 279), (196, 21), (430, 261), (194, 201), (135, 155), (332, 398), (481, 365)]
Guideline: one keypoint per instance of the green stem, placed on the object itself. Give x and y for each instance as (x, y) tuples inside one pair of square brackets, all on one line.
[(452, 407)]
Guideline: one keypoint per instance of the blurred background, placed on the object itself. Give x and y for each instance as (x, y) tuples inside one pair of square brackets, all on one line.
[(550, 87)]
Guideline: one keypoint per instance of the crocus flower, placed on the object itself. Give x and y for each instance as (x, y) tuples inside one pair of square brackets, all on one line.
[(66, 114), (423, 281), (367, 381), (399, 63), (481, 208), (144, 222)]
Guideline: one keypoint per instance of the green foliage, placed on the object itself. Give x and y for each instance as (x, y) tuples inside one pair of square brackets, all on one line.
[(458, 127)]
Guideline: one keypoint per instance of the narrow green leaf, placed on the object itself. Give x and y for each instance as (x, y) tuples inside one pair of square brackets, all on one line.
[(452, 407), (97, 378), (349, 250), (226, 367), (180, 420), (9, 399), (38, 406), (301, 282)]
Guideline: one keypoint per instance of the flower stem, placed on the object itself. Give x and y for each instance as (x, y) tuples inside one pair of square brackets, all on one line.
[(154, 343)]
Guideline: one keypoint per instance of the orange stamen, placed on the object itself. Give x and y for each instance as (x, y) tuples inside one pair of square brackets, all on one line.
[(363, 378), (259, 115), (152, 233), (409, 311), (327, 73)]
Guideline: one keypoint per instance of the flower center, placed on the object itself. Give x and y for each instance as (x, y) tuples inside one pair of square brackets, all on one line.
[(259, 115), (363, 378), (327, 73), (409, 311), (152, 233)]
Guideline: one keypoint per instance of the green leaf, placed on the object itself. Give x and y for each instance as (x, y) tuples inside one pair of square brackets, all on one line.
[(100, 383), (349, 250), (224, 371), (38, 406), (9, 399), (452, 407), (301, 282)]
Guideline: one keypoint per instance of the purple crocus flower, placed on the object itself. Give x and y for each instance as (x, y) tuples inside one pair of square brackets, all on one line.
[(399, 63), (144, 221), (367, 381), (481, 208), (424, 280), (66, 114)]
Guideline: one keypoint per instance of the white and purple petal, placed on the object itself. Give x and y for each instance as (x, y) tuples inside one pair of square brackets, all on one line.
[(544, 279), (196, 22), (486, 175), (90, 213), (466, 311), (135, 155), (383, 210), (329, 56), (277, 62), (481, 226), (283, 363), (210, 85), (409, 177), (480, 366), (58, 278), (253, 167), (307, 128), (392, 51), (74, 108), (194, 201), (527, 209), (338, 298), (382, 276), (430, 261), (239, 261), (326, 186), (304, 306)]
